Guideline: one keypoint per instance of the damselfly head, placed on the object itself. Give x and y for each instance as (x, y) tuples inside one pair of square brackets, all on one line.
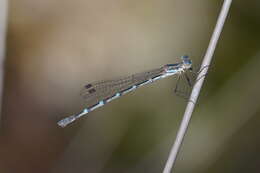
[(186, 61)]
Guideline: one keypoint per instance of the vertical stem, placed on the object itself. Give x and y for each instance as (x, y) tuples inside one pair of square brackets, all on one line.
[(3, 23), (197, 87)]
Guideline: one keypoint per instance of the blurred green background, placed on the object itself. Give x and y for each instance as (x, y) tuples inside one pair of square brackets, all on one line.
[(55, 47)]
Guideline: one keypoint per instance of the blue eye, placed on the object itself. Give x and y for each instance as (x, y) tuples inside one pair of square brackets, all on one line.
[(185, 57)]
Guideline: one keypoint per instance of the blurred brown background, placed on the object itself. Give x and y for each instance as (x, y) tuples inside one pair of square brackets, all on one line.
[(55, 47)]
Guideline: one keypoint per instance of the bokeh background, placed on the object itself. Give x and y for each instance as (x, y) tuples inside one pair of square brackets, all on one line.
[(55, 47)]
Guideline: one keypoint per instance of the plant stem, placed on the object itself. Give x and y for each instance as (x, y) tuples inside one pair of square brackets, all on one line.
[(197, 87)]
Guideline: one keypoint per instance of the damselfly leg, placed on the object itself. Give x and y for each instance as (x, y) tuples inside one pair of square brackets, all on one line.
[(184, 91), (190, 81)]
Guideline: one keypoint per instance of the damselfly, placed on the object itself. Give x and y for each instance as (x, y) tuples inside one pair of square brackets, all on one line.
[(99, 93)]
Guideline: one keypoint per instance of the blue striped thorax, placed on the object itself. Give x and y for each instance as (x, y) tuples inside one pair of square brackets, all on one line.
[(172, 68)]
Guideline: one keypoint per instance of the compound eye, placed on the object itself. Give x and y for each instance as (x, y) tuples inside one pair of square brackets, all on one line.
[(185, 56)]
